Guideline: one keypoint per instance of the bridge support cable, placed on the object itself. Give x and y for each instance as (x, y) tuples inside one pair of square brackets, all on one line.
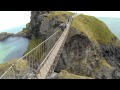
[(26, 66)]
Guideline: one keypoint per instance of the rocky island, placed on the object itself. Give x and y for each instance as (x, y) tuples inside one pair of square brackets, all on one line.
[(91, 50), (5, 35), (24, 33)]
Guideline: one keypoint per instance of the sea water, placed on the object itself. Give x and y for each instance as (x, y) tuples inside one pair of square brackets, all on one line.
[(13, 47), (113, 24)]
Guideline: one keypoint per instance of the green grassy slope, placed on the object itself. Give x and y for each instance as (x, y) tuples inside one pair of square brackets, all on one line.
[(95, 29), (32, 44), (65, 75), (60, 15)]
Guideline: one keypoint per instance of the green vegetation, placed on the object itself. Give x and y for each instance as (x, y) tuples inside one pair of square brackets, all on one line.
[(25, 30), (6, 65), (36, 53), (20, 66), (95, 29), (32, 44), (65, 75), (3, 33), (60, 15)]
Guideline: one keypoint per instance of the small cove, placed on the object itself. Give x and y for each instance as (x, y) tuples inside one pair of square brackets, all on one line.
[(12, 47)]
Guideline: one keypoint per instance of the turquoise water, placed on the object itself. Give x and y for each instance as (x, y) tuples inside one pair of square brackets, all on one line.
[(113, 24), (12, 47)]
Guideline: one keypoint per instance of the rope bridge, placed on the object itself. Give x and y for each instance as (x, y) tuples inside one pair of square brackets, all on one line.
[(40, 62)]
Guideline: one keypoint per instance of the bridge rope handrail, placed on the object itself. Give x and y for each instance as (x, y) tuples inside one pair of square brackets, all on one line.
[(50, 51), (27, 54), (48, 69)]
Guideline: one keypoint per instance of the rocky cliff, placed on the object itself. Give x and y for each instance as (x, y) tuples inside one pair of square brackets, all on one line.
[(90, 50), (43, 24)]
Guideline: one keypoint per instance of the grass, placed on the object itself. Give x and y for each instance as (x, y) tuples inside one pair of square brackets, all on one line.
[(65, 75), (32, 44), (95, 29), (6, 65), (37, 53), (103, 62), (60, 15), (25, 30), (22, 32), (21, 65)]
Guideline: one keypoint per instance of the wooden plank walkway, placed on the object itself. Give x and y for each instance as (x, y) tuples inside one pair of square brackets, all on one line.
[(43, 71)]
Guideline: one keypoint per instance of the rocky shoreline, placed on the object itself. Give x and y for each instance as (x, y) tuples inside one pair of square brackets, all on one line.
[(23, 33), (5, 35)]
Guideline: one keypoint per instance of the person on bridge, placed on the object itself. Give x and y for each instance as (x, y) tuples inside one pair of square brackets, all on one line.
[(63, 26)]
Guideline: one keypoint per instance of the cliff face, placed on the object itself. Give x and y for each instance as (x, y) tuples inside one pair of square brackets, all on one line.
[(112, 54), (45, 23), (82, 57), (37, 18), (90, 50)]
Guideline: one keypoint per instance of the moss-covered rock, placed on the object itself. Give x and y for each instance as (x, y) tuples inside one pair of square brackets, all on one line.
[(25, 32), (20, 66), (61, 15), (65, 75), (95, 29), (32, 44)]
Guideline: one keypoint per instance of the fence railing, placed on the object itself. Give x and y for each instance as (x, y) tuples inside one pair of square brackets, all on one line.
[(25, 67)]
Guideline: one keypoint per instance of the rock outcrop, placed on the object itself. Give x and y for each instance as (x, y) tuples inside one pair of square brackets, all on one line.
[(37, 19), (45, 23), (25, 32), (65, 75)]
